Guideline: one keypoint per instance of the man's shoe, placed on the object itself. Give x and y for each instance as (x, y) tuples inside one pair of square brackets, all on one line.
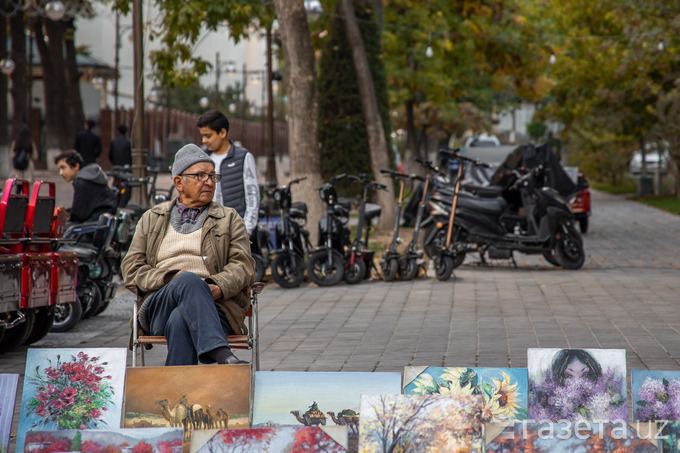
[(233, 360)]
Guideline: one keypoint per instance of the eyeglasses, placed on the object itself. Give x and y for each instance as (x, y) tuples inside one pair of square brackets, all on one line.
[(204, 177)]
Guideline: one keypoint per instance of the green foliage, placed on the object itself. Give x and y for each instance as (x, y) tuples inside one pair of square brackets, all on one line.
[(343, 137), (537, 129), (666, 203), (181, 24)]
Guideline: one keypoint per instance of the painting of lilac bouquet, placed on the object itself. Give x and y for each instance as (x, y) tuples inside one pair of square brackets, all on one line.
[(656, 395), (72, 389), (577, 384)]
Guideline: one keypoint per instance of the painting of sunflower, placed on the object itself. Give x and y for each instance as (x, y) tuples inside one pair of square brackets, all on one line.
[(503, 390)]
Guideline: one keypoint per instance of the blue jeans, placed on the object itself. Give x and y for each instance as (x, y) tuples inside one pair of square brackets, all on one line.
[(184, 311)]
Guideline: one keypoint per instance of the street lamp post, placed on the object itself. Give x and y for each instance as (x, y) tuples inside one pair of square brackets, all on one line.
[(138, 151)]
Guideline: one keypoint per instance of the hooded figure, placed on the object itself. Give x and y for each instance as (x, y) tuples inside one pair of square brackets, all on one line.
[(91, 193)]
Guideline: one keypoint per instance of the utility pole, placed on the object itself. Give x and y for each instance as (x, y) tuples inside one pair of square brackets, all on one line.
[(217, 80), (270, 175), (138, 151)]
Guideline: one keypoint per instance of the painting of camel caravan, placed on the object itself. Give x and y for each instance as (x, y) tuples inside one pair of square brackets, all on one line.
[(72, 389), (189, 397), (316, 398), (421, 423), (504, 390), (274, 439), (142, 440)]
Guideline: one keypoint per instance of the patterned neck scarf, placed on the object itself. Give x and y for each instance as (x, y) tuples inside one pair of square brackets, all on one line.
[(187, 214)]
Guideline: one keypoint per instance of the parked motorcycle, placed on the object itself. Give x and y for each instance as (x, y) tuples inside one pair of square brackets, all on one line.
[(100, 248), (529, 218), (292, 239)]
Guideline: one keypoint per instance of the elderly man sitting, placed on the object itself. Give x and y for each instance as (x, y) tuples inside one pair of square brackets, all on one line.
[(190, 260)]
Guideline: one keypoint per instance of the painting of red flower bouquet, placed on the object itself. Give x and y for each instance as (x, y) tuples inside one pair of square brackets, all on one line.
[(72, 389)]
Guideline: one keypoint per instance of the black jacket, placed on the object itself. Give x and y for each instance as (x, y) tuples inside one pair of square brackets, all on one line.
[(89, 145), (91, 195), (120, 152)]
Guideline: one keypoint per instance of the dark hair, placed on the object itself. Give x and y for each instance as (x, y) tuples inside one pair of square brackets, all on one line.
[(90, 124), (122, 129), (565, 356), (23, 140), (72, 158), (215, 120)]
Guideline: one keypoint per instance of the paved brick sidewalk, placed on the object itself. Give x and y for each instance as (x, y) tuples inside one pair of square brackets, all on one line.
[(626, 296)]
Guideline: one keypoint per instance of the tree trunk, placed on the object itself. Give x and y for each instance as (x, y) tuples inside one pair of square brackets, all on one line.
[(302, 105), (57, 134), (73, 99), (374, 126), (5, 166), (411, 145), (20, 101)]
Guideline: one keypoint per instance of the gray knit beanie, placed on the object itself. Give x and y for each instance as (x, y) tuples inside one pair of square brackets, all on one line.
[(187, 156)]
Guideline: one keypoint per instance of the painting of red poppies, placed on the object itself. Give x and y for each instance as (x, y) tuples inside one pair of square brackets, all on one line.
[(72, 389), (140, 440), (8, 394), (279, 439), (577, 384)]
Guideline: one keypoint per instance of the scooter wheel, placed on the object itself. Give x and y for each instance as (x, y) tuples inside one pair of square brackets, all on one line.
[(18, 334), (91, 297), (66, 316), (443, 267), (390, 268), (354, 273), (260, 268), (408, 269), (286, 272), (325, 273), (44, 317)]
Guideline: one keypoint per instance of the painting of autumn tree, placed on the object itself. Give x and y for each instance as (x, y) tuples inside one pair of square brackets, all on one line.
[(420, 423)]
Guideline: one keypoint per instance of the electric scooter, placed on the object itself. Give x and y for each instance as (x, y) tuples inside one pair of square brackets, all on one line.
[(389, 264)]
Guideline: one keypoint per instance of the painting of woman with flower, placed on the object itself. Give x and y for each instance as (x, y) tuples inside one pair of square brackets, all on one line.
[(577, 384), (72, 389)]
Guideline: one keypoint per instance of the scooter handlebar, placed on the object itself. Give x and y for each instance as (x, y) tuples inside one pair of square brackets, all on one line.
[(455, 154), (393, 174)]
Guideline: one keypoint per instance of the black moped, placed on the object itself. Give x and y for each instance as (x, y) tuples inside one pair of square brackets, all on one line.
[(292, 239), (529, 218)]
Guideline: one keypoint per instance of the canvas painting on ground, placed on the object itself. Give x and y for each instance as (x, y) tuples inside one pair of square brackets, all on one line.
[(274, 439), (190, 397), (421, 423), (8, 395), (581, 436), (577, 384), (656, 395), (318, 398), (504, 390), (72, 389), (143, 440)]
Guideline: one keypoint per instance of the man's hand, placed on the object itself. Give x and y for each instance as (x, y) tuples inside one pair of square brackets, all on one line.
[(169, 277), (216, 291)]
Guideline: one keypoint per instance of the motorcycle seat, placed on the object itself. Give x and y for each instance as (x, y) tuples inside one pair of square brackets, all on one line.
[(484, 191), (86, 253), (491, 206), (371, 211)]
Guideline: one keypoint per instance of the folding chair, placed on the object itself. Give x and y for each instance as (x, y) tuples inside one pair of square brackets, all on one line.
[(251, 341)]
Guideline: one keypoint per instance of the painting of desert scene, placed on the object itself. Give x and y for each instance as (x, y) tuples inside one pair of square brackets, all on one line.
[(317, 398), (188, 397)]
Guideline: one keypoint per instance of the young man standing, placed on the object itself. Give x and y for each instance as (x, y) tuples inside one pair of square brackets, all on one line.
[(238, 187), (91, 193), (120, 151)]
